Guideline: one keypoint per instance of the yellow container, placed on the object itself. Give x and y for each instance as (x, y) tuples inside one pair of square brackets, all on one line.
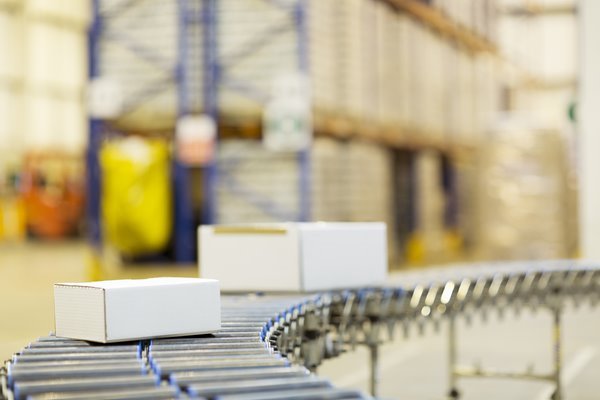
[(12, 218), (136, 195)]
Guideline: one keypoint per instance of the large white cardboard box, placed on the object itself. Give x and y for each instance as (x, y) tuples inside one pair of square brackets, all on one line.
[(133, 309), (293, 256)]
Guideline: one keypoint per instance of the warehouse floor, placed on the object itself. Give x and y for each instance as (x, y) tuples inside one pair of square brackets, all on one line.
[(411, 369)]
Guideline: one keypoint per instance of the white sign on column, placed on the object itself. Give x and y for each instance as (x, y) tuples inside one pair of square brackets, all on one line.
[(287, 122), (195, 139), (105, 98)]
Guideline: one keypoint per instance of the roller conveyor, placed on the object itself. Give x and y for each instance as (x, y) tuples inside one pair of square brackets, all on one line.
[(270, 345)]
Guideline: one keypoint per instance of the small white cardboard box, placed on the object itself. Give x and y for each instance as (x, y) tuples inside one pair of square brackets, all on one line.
[(133, 309), (293, 256)]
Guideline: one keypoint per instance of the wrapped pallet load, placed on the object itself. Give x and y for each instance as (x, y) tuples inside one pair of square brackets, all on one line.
[(144, 83), (523, 192), (136, 195)]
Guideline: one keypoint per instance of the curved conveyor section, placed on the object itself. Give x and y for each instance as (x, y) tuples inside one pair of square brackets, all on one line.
[(269, 343)]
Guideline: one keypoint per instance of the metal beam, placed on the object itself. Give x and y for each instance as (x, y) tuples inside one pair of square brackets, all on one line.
[(535, 10)]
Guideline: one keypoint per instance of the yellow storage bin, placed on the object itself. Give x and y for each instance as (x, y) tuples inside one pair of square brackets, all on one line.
[(136, 195)]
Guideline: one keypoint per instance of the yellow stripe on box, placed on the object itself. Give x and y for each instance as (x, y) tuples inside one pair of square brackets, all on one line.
[(248, 230)]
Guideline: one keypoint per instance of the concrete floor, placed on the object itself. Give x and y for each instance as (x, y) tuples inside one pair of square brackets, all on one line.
[(26, 298), (413, 368)]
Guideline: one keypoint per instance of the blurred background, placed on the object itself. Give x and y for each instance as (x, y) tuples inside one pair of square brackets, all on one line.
[(124, 124)]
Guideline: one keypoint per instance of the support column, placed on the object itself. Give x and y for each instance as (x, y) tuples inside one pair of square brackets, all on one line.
[(588, 120)]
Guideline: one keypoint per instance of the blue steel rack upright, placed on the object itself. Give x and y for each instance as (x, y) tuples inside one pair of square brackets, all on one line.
[(210, 96), (94, 139), (184, 238)]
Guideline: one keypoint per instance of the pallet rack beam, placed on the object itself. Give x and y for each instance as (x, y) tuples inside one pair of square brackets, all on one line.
[(477, 44), (534, 9), (402, 138), (445, 26)]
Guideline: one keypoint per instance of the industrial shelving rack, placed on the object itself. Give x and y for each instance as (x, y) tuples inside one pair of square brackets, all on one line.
[(179, 76), (207, 74), (201, 70)]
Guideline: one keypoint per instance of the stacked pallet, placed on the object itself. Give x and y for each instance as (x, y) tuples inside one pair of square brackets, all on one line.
[(330, 181), (479, 16), (428, 75), (350, 182), (486, 83), (368, 62), (10, 71), (42, 76), (399, 74), (257, 42), (523, 193), (370, 169), (391, 72), (353, 43), (152, 56), (256, 185), (324, 34)]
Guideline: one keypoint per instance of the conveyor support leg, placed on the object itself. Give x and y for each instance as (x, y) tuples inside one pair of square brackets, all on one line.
[(453, 392), (557, 351), (374, 352)]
